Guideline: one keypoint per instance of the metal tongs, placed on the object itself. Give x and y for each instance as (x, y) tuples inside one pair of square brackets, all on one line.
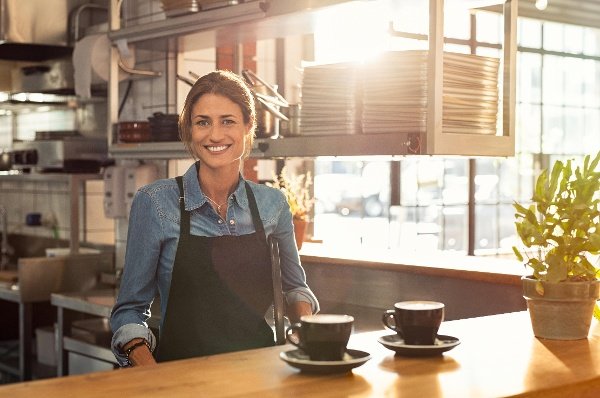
[(187, 80), (269, 102)]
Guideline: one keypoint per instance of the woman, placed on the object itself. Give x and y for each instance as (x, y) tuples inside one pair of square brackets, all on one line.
[(200, 242)]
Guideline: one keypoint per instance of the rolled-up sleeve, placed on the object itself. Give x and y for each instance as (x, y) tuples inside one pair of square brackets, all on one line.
[(293, 277), (138, 283)]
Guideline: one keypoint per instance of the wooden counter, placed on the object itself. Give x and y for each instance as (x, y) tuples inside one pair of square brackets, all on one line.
[(498, 356), (439, 264)]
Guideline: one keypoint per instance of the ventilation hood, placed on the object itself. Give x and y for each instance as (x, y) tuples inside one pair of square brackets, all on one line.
[(34, 30)]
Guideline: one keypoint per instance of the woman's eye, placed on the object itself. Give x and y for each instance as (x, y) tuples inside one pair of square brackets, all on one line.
[(202, 123), (228, 121)]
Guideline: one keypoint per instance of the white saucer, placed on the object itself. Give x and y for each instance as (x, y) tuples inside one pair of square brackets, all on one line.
[(298, 359), (395, 343)]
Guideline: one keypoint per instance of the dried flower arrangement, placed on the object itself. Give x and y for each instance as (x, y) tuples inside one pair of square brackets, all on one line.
[(296, 189)]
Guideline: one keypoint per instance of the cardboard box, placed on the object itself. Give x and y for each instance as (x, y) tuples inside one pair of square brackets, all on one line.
[(46, 345)]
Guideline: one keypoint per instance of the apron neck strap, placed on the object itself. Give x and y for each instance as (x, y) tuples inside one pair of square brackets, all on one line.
[(258, 225), (184, 215)]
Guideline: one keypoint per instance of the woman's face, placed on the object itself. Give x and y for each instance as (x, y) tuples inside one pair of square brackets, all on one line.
[(218, 131)]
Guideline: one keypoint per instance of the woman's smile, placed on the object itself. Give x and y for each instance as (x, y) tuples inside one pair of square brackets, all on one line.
[(216, 148)]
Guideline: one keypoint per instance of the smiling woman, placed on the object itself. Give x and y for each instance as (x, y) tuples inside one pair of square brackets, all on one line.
[(203, 244)]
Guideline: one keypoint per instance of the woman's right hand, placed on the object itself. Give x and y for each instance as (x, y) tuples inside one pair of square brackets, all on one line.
[(140, 356)]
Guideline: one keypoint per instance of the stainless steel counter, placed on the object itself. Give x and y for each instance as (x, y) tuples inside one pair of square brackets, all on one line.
[(94, 302)]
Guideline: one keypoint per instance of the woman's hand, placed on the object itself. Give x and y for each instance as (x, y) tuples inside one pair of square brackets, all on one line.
[(139, 356), (295, 310)]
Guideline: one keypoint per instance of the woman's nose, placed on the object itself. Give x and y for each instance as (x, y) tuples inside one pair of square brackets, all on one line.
[(216, 132)]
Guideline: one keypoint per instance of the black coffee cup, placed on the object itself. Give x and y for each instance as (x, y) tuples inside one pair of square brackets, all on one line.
[(417, 322), (323, 337)]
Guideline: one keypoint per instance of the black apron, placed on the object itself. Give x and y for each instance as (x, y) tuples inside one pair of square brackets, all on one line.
[(221, 288)]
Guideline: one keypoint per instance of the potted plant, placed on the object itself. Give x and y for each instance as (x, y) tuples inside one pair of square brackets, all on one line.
[(561, 232), (296, 189)]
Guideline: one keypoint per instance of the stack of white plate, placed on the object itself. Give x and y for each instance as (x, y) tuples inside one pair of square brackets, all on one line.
[(329, 100), (173, 8), (394, 97)]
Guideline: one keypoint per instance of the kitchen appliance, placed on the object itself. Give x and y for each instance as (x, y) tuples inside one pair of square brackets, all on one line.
[(34, 30), (54, 77), (69, 154)]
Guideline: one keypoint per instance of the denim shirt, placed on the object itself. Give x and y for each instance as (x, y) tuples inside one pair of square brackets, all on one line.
[(152, 240)]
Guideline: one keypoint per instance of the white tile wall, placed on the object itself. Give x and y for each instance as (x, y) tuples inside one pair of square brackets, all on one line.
[(52, 120), (52, 200)]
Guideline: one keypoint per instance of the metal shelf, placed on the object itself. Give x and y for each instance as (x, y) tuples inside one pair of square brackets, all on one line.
[(89, 349), (148, 150), (252, 20), (340, 145), (257, 20)]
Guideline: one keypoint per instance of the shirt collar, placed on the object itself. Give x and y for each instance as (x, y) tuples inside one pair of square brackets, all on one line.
[(194, 198)]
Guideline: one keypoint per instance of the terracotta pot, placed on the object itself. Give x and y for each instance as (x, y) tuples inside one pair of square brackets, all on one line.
[(299, 231), (564, 311)]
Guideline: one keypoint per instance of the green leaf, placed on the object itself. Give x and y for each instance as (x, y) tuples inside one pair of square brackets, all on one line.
[(556, 171), (530, 216), (597, 312), (539, 288), (521, 210), (594, 162), (557, 269), (518, 254), (540, 186)]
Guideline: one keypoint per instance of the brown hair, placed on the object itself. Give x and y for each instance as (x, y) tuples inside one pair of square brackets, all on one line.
[(227, 84)]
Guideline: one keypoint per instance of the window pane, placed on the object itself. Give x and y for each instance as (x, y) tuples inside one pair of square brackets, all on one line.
[(508, 186), (457, 48), (408, 182), (418, 229), (591, 83), (553, 80), (491, 52), (421, 181), (553, 138), (573, 81), (457, 23), (592, 128), (529, 80), (352, 188), (486, 180), (574, 133), (529, 33), (455, 228), (526, 177), (337, 38), (456, 182), (486, 226), (573, 39), (489, 27), (591, 41), (430, 176), (411, 17), (554, 36), (507, 227), (528, 126)]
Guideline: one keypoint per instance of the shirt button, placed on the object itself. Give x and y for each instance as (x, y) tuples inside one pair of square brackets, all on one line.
[(220, 221), (232, 221)]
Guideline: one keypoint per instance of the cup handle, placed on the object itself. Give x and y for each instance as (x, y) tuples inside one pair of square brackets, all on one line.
[(387, 316), (288, 333)]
